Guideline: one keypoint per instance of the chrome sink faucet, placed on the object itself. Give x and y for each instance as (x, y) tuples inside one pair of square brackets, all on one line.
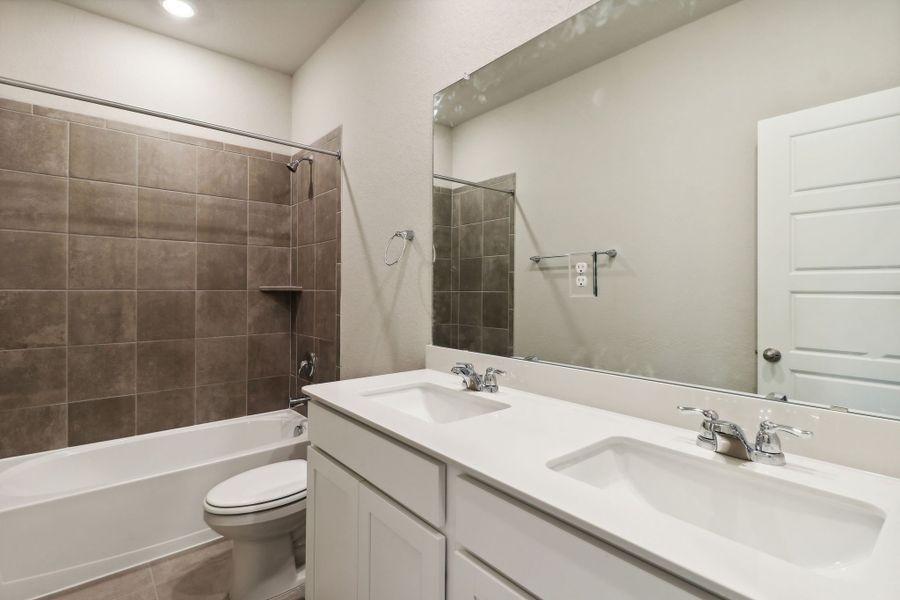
[(475, 382), (470, 376), (729, 438)]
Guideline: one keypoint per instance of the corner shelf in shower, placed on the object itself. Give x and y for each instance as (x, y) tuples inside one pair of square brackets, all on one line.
[(280, 288)]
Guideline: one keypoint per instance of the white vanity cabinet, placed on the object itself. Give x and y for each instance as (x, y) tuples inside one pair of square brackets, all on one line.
[(332, 529), (471, 580), (360, 543), (383, 524), (551, 559), (400, 558), (416, 481)]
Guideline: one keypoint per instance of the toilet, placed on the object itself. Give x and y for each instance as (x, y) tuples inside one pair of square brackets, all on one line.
[(263, 512)]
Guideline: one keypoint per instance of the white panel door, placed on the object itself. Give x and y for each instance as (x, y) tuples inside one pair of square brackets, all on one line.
[(400, 557), (331, 530), (829, 254)]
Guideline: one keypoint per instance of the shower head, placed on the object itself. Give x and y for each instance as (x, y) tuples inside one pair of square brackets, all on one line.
[(295, 164)]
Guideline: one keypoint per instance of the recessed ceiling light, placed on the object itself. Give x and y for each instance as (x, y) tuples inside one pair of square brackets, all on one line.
[(178, 8)]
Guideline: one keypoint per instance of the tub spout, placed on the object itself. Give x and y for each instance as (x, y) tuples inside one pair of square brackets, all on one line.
[(298, 402)]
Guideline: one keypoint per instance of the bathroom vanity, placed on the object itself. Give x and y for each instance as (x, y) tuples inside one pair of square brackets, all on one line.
[(420, 490)]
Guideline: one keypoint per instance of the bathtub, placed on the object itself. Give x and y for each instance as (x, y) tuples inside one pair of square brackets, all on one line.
[(72, 515)]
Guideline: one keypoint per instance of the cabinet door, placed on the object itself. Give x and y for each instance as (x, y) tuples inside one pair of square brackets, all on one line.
[(400, 558), (331, 530), (471, 580)]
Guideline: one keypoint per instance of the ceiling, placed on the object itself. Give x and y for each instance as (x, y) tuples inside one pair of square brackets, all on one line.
[(278, 34)]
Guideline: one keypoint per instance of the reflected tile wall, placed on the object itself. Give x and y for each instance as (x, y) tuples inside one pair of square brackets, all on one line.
[(129, 265), (474, 240)]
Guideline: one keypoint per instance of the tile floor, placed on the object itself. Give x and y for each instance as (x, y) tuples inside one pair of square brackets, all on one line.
[(199, 574)]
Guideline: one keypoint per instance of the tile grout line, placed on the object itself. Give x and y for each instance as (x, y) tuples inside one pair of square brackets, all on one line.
[(247, 288), (68, 229), (153, 585), (142, 238), (313, 196), (137, 230), (196, 276), (292, 359)]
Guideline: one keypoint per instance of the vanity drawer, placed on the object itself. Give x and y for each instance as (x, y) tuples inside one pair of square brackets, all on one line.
[(551, 559), (416, 481), (471, 580)]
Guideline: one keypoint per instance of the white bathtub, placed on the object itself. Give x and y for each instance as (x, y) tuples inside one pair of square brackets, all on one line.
[(72, 515)]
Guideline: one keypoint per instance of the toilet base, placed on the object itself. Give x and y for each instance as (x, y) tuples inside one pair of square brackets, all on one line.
[(264, 569), (263, 558)]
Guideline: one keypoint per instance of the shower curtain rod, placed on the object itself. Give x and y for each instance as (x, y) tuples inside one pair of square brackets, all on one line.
[(472, 183), (153, 113)]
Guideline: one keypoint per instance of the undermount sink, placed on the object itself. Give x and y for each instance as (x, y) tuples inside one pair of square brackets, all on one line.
[(435, 404), (799, 524)]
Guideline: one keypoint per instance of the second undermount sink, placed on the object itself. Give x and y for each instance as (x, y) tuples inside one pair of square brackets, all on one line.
[(799, 524), (435, 404)]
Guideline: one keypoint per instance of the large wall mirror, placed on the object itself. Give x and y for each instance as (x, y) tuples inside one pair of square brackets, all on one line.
[(699, 191)]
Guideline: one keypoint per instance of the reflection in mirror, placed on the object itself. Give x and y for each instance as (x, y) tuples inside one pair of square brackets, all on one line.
[(705, 192), (474, 233)]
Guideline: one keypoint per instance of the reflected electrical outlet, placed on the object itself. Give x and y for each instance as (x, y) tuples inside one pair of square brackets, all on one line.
[(581, 275)]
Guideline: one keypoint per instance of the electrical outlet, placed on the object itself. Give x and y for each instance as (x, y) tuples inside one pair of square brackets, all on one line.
[(581, 281), (580, 267)]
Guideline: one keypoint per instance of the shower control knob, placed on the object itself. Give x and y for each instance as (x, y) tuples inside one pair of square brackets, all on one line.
[(772, 355)]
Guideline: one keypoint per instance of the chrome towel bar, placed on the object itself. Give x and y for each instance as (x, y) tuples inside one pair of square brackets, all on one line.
[(612, 252), (407, 235)]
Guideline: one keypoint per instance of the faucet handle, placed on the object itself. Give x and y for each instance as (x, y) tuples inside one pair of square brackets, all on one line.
[(706, 438), (772, 427), (465, 365), (768, 442), (707, 413), (490, 379)]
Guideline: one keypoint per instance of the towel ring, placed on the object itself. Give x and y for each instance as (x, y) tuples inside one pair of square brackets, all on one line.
[(407, 235)]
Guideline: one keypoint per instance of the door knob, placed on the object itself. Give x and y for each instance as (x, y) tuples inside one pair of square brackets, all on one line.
[(772, 355)]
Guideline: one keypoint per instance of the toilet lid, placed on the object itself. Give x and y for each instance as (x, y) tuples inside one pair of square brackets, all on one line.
[(262, 488)]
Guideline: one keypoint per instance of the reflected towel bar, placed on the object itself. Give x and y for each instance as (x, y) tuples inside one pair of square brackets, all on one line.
[(610, 253)]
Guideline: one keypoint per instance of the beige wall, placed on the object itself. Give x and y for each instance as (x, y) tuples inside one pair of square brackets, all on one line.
[(654, 152), (376, 76), (443, 151), (60, 46)]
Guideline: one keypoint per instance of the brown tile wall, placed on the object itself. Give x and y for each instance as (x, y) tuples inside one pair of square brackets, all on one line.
[(316, 263), (474, 240), (130, 261)]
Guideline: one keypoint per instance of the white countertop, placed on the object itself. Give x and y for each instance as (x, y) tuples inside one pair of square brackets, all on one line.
[(510, 449)]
